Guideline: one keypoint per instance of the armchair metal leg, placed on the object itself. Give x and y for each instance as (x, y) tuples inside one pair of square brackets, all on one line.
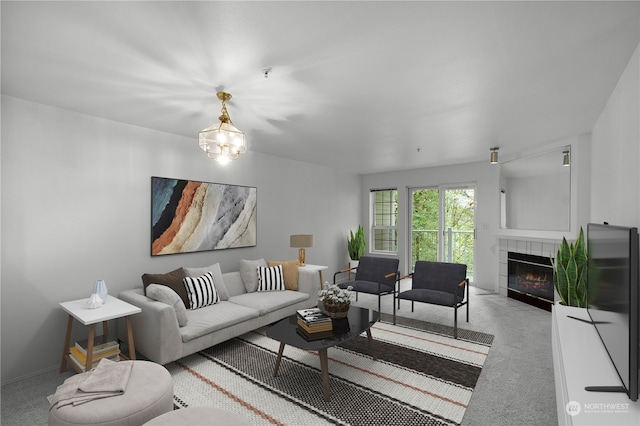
[(394, 308), (455, 322)]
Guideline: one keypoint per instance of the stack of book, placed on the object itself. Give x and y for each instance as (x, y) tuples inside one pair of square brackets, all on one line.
[(78, 353), (314, 324)]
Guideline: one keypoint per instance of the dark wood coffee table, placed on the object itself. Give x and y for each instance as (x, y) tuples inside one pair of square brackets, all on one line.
[(358, 320)]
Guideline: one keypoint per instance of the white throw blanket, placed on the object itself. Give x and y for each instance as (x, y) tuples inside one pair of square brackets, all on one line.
[(108, 378)]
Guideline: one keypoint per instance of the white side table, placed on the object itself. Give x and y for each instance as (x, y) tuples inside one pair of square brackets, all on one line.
[(112, 309), (319, 269)]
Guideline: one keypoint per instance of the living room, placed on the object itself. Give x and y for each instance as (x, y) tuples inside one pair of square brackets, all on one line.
[(76, 196)]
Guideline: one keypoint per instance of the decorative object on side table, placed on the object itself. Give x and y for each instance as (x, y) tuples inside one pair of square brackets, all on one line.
[(570, 272), (301, 241), (98, 295), (101, 288), (336, 300), (94, 301)]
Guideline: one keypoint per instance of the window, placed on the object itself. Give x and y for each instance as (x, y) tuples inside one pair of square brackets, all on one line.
[(384, 207)]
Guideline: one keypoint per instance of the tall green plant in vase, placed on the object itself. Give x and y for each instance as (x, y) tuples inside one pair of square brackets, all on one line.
[(356, 244), (570, 272)]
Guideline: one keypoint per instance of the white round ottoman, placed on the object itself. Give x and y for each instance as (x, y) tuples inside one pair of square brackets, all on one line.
[(149, 393), (196, 416)]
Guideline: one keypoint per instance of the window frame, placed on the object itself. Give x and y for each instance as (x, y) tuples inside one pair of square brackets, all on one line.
[(393, 229)]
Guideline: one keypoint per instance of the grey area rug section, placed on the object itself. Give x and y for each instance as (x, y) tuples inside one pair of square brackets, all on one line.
[(350, 403), (445, 330)]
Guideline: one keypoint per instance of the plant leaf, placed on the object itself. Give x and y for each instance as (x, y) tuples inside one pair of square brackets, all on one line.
[(572, 280), (564, 254), (579, 250), (560, 278)]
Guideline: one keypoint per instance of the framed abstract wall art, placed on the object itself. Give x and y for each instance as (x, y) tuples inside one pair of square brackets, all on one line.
[(191, 216)]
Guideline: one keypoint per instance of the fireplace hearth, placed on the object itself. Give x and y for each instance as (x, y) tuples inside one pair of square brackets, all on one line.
[(530, 279)]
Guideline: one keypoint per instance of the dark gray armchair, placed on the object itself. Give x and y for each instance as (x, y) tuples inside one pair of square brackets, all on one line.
[(438, 283), (374, 275)]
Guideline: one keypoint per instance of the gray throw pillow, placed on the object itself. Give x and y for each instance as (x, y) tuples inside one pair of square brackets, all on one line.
[(249, 273), (164, 294), (216, 272)]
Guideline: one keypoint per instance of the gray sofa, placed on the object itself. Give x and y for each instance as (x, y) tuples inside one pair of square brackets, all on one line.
[(159, 337)]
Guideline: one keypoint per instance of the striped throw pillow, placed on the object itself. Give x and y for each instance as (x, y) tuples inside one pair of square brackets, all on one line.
[(201, 291), (270, 278)]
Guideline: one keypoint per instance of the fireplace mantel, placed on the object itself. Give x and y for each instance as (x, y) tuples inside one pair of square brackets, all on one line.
[(548, 236)]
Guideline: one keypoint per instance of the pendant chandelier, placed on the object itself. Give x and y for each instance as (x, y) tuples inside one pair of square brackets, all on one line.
[(222, 141)]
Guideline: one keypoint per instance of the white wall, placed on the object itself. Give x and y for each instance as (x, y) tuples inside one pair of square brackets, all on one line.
[(615, 166), (76, 207), (485, 179)]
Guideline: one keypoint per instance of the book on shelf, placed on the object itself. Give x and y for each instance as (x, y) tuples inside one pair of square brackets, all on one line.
[(317, 327), (80, 365), (315, 336), (99, 345), (73, 351), (313, 316)]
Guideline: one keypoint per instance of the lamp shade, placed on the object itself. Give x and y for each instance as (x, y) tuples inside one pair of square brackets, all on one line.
[(301, 241)]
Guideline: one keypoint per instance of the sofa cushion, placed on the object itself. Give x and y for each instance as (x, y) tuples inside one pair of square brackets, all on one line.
[(249, 273), (164, 294), (269, 301), (233, 283), (171, 279), (289, 272), (201, 291), (215, 317), (218, 280), (270, 278)]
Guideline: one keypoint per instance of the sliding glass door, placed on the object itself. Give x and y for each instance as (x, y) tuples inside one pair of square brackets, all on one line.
[(443, 225)]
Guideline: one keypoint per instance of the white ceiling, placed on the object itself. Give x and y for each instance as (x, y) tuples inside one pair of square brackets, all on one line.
[(360, 86)]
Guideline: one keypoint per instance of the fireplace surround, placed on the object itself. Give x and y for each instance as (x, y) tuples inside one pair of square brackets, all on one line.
[(530, 279)]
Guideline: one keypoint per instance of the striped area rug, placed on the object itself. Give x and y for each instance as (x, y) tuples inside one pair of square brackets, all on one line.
[(420, 378)]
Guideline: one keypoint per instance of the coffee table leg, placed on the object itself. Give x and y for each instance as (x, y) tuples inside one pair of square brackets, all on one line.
[(324, 368), (275, 370), (371, 348)]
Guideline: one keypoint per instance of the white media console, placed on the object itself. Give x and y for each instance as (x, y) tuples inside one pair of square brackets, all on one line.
[(579, 360)]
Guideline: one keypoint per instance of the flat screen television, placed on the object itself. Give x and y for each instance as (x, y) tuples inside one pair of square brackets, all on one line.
[(614, 300)]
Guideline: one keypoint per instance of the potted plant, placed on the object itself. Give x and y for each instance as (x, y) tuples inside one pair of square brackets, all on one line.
[(570, 272), (336, 300), (356, 244)]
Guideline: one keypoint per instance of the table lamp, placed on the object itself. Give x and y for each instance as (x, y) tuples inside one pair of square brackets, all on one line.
[(301, 241)]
